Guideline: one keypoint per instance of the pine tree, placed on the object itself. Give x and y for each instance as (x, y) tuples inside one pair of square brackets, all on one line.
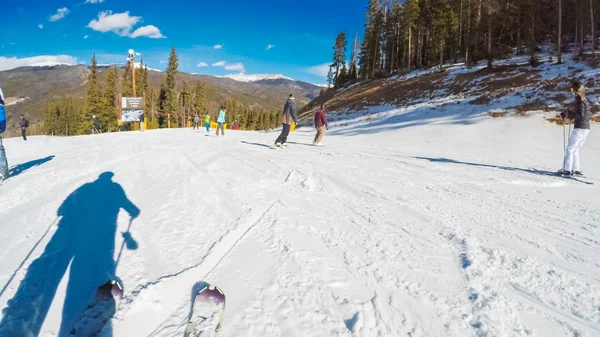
[(126, 82), (339, 55), (108, 117), (94, 100), (170, 104), (411, 14), (342, 76), (443, 28), (162, 98), (559, 43), (353, 71), (370, 48), (186, 102), (200, 99), (593, 26), (330, 77)]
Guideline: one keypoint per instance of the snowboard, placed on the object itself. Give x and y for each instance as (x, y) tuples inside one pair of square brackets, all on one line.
[(207, 313), (101, 308)]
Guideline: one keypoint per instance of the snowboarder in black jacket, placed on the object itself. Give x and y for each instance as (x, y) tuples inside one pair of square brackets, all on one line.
[(581, 117), (289, 116)]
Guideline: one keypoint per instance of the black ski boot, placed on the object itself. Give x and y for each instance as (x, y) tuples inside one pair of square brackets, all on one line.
[(564, 173)]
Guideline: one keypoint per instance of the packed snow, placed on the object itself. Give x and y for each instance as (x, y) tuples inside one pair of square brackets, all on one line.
[(407, 223)]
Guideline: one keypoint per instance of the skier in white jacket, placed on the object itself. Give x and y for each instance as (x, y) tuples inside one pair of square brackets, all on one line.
[(581, 118)]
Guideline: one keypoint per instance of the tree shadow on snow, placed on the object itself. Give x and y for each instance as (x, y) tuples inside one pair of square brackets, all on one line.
[(18, 169), (85, 240), (444, 114)]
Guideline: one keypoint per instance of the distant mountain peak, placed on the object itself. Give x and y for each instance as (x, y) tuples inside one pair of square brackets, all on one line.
[(256, 77)]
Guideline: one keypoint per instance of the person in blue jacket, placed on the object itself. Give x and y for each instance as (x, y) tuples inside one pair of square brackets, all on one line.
[(3, 161), (221, 122)]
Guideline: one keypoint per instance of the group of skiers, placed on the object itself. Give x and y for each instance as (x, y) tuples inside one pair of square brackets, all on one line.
[(571, 164), (291, 116), (220, 122)]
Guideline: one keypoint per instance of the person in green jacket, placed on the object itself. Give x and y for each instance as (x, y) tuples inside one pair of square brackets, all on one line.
[(207, 123)]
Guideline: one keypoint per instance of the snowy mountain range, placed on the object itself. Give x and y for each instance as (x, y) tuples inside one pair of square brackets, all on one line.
[(256, 77)]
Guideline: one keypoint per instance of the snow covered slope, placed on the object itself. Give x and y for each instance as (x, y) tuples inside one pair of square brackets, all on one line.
[(396, 228), (255, 78)]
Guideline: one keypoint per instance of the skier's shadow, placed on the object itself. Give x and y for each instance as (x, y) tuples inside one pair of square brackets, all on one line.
[(85, 240), (18, 169), (505, 168)]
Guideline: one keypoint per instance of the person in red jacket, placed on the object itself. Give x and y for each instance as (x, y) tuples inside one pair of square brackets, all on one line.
[(320, 125)]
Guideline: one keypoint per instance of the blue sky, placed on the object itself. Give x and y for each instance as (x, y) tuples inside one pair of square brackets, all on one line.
[(223, 37)]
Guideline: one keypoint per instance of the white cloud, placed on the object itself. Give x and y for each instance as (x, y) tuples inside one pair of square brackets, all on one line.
[(42, 60), (119, 23), (94, 1), (60, 13), (202, 64), (236, 66), (122, 24), (41, 26), (319, 70), (218, 46), (149, 31), (163, 62), (230, 66), (85, 37), (271, 46)]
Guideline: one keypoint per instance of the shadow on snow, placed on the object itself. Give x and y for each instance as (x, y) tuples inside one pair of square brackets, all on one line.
[(85, 241), (450, 113), (18, 169), (505, 168)]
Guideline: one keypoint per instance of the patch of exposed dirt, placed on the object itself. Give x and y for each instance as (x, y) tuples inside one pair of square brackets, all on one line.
[(483, 87), (498, 114)]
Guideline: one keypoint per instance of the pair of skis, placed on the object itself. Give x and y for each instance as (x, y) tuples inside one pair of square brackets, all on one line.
[(205, 319), (570, 177)]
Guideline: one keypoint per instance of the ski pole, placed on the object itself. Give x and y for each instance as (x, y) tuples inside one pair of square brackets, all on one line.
[(123, 244), (564, 138), (27, 257)]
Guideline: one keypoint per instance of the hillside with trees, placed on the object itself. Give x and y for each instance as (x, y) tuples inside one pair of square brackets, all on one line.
[(412, 34), (60, 100)]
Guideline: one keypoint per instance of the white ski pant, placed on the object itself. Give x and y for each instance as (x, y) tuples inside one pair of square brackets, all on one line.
[(576, 140)]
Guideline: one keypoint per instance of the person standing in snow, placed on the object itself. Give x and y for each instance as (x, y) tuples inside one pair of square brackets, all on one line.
[(581, 116), (289, 116), (24, 123), (96, 124), (207, 122), (196, 123), (221, 122), (320, 125), (3, 161)]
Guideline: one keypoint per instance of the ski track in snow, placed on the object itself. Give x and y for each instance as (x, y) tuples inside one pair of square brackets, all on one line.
[(432, 230)]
